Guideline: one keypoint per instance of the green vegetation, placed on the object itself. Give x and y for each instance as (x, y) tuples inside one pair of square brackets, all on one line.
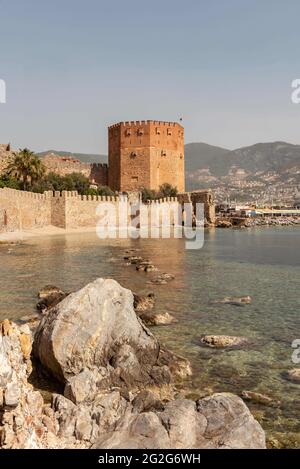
[(166, 190), (101, 190), (26, 168), (8, 181)]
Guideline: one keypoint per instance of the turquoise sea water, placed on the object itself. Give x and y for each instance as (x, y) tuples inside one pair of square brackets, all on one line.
[(263, 263)]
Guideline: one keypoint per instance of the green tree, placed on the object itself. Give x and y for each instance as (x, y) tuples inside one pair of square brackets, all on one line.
[(148, 194), (26, 167), (77, 182), (167, 190), (105, 190)]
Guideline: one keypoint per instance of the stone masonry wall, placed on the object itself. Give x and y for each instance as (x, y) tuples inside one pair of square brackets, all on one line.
[(146, 154), (202, 196), (24, 210)]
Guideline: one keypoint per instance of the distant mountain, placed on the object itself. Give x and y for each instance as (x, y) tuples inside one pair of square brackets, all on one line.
[(84, 157), (203, 156), (263, 170), (272, 156)]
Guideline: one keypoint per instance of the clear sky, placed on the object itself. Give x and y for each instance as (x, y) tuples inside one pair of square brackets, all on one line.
[(72, 67)]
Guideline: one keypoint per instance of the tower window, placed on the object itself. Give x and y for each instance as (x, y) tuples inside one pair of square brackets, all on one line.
[(164, 153), (127, 132), (140, 132), (169, 132), (133, 154), (157, 130)]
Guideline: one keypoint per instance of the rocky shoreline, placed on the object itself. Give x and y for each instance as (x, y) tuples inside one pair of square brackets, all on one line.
[(118, 382), (231, 222)]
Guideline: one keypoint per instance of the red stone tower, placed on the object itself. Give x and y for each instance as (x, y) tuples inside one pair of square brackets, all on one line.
[(145, 154)]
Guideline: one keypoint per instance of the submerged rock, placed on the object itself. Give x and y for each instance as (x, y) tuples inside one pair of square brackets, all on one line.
[(221, 223), (49, 290), (237, 301), (260, 398), (152, 318), (143, 303), (223, 341), (162, 279), (49, 296), (293, 375)]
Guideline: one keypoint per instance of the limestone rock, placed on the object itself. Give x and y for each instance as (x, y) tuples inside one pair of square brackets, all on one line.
[(49, 297), (82, 387), (151, 318), (143, 303), (229, 423), (180, 367), (293, 375), (223, 341), (21, 408), (260, 398), (219, 421), (237, 301), (146, 401), (162, 279), (49, 290), (97, 327), (222, 223)]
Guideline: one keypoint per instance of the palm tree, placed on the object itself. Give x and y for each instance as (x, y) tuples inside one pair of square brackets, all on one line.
[(26, 167)]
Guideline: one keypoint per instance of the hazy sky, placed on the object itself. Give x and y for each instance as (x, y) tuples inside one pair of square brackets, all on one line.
[(72, 67)]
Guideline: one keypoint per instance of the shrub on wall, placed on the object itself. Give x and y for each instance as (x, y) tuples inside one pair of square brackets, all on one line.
[(167, 190), (8, 181)]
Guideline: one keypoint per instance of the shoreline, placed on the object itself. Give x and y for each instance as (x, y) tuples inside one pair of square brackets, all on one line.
[(50, 230), (11, 237)]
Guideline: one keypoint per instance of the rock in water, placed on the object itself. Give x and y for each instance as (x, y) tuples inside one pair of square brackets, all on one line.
[(293, 375), (151, 318), (260, 398), (98, 327), (49, 290), (144, 303), (223, 341), (237, 301)]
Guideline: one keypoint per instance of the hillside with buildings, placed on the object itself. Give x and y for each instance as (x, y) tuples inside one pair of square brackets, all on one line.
[(264, 172)]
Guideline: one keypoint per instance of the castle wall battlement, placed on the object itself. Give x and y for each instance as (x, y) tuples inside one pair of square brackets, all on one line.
[(21, 210), (24, 210), (144, 122)]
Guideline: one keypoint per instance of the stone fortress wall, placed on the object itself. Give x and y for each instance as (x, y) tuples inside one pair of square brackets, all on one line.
[(204, 197), (21, 210)]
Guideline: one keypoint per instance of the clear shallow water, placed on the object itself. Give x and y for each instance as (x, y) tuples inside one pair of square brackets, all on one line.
[(263, 263)]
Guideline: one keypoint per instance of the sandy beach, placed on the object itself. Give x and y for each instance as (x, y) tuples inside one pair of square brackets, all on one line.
[(15, 236)]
